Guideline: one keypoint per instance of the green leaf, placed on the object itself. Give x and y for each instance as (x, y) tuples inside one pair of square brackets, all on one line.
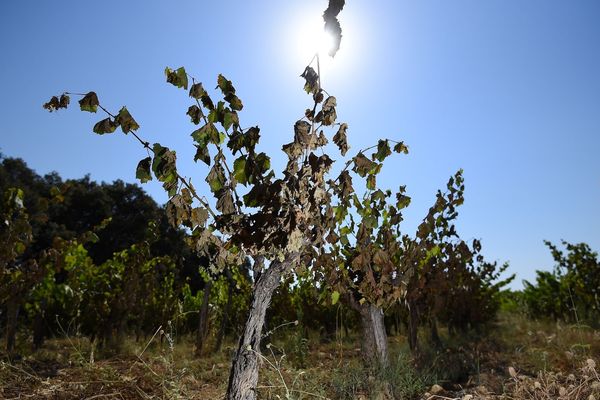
[(142, 172), (89, 102), (107, 125), (239, 170), (401, 148), (371, 182), (177, 78), (383, 150), (216, 178), (230, 118), (126, 121), (335, 296), (207, 134)]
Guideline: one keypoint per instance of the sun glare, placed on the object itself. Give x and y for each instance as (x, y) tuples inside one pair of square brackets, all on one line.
[(312, 39)]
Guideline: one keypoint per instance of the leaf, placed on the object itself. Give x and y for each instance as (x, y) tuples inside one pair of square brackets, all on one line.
[(89, 102), (225, 85), (340, 139), (216, 178), (177, 78), (207, 134), (55, 103), (312, 80), (64, 101), (371, 182), (197, 91), (402, 201), (239, 170), (383, 150), (126, 121), (199, 216), (302, 132), (335, 296), (362, 165), (202, 154), (164, 168), (328, 110), (401, 148), (225, 201), (230, 118), (234, 101), (142, 172), (107, 125), (195, 114)]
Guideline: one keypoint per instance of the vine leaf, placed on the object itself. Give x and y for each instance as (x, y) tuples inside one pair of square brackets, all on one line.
[(312, 80), (225, 201), (107, 125), (216, 178), (55, 103), (164, 168), (335, 296), (202, 154), (401, 148), (363, 166), (383, 150), (89, 102), (340, 139), (177, 78), (142, 172), (195, 114), (126, 121)]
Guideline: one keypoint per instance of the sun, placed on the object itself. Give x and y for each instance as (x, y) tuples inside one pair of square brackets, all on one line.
[(311, 38)]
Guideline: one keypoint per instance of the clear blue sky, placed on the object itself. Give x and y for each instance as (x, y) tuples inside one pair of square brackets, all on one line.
[(508, 90)]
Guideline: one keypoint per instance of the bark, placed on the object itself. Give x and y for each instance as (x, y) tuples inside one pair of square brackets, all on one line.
[(225, 319), (413, 326), (203, 320), (374, 344), (243, 377), (12, 313), (435, 337)]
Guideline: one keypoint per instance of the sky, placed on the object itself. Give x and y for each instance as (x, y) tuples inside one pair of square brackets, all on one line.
[(507, 90)]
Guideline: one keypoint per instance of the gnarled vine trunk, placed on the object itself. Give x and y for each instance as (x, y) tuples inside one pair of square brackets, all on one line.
[(374, 344), (243, 377)]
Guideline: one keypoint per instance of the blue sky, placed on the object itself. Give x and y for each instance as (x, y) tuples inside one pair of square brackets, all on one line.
[(508, 90)]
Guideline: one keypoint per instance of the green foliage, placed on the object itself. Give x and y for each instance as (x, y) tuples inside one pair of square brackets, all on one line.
[(572, 291)]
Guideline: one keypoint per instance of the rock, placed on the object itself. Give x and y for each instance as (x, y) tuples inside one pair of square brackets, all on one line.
[(436, 389)]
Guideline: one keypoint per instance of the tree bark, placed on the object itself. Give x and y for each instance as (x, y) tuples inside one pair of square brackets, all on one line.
[(374, 345), (243, 377), (413, 326), (12, 314), (203, 320)]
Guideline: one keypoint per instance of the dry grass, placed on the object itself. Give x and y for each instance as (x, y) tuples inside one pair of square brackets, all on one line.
[(521, 359)]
